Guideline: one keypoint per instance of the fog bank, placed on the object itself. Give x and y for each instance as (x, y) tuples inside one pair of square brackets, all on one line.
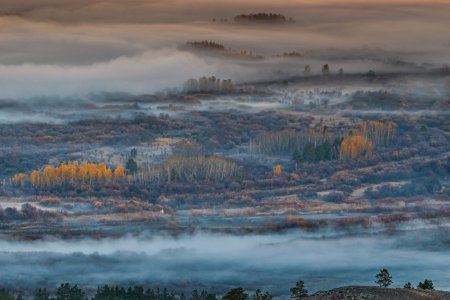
[(65, 48), (272, 262)]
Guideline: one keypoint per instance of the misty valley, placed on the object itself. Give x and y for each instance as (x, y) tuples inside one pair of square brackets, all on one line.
[(226, 154)]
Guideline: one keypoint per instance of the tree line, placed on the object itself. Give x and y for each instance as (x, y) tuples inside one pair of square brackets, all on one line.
[(322, 145), (286, 141), (208, 84), (70, 174), (384, 279), (205, 45), (67, 291), (262, 17), (181, 168)]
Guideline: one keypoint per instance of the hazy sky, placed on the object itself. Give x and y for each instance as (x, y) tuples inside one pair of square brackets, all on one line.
[(65, 47)]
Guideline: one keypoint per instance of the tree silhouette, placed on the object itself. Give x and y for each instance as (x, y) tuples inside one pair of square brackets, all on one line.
[(426, 285), (133, 153), (131, 165), (235, 294), (307, 70), (384, 279), (309, 152), (326, 69), (68, 292), (258, 295), (4, 295), (299, 291), (407, 285)]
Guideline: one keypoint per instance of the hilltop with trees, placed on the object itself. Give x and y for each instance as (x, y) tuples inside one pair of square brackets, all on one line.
[(211, 48), (208, 85), (268, 18), (67, 291)]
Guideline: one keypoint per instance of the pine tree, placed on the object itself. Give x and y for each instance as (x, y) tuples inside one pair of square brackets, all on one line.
[(4, 295), (258, 295), (407, 285), (426, 285), (299, 291), (68, 292), (384, 279), (131, 166), (297, 156), (309, 152), (42, 294), (235, 294)]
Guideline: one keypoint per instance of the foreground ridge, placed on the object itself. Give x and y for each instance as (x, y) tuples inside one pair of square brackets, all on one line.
[(370, 292)]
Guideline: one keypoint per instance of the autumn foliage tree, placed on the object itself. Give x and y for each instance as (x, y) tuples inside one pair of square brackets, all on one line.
[(18, 179), (277, 170), (119, 173), (361, 141), (352, 147), (69, 174), (379, 132)]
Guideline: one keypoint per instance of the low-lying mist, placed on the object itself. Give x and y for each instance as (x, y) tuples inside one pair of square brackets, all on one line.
[(65, 48), (272, 262), (156, 71)]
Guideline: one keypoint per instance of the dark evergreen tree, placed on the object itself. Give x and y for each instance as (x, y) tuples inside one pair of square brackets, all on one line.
[(426, 285), (309, 152), (258, 295), (133, 153), (68, 292), (4, 295), (297, 156), (207, 296), (173, 175), (235, 294), (407, 285), (320, 152), (195, 295), (42, 294), (384, 279), (131, 166), (299, 291)]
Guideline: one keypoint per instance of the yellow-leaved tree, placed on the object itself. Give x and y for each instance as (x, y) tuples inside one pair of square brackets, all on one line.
[(354, 146), (69, 174), (277, 170), (119, 172)]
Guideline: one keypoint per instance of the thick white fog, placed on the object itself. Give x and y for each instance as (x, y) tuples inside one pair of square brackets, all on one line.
[(273, 262)]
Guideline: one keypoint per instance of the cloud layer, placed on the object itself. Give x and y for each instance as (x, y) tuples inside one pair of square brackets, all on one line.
[(64, 47)]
